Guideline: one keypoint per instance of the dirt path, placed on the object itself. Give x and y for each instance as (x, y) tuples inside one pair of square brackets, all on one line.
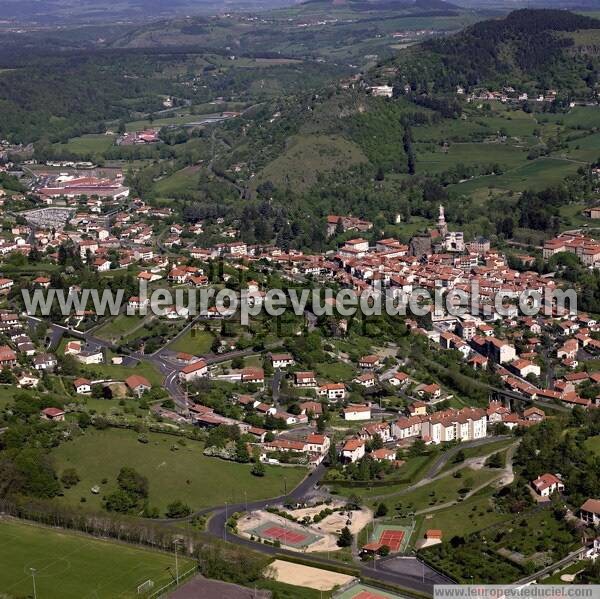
[(474, 463)]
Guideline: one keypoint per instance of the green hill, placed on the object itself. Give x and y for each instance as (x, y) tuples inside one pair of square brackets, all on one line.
[(529, 49)]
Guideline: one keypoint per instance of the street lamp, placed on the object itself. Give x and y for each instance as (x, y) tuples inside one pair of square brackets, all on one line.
[(176, 544), (33, 571)]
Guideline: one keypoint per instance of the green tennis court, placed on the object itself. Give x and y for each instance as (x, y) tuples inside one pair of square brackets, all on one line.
[(395, 536), (363, 591)]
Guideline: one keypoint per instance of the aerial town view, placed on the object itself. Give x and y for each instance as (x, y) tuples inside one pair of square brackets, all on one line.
[(299, 299)]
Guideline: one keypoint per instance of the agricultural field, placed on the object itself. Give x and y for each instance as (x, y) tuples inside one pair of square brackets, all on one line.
[(87, 145), (534, 174), (474, 514), (507, 156), (511, 548), (175, 471), (74, 566), (183, 181)]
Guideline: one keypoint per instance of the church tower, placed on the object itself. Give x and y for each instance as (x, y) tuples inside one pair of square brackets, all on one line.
[(442, 226)]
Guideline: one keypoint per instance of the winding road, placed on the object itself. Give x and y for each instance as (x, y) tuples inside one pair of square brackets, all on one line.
[(408, 572), (415, 575)]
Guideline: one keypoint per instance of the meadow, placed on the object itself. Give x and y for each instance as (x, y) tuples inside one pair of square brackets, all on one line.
[(120, 372), (476, 513), (69, 565), (197, 343), (123, 327), (87, 145), (176, 470)]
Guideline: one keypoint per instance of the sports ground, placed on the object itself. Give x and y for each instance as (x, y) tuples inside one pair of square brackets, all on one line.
[(395, 536), (363, 591), (69, 565), (286, 536)]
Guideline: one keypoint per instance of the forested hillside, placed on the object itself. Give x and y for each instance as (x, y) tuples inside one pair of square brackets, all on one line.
[(529, 49)]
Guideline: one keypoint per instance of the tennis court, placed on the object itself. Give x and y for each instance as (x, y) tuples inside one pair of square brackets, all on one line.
[(286, 536), (363, 591), (395, 536)]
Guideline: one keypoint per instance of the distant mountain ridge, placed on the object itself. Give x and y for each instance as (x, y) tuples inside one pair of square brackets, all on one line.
[(386, 4), (50, 12)]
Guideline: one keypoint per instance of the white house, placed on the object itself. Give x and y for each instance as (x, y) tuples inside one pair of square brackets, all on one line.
[(82, 386), (282, 360), (398, 379), (332, 391), (546, 484), (524, 368), (589, 512), (193, 371), (317, 444), (90, 357), (305, 379), (353, 450), (357, 412)]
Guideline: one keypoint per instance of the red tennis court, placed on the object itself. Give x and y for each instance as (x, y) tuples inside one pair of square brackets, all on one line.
[(286, 536), (392, 538), (369, 595)]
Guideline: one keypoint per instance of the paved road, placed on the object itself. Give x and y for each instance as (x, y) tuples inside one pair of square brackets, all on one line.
[(275, 384), (565, 561), (409, 568), (411, 573)]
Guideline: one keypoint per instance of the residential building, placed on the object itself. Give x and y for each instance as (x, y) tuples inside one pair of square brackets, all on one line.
[(589, 512), (357, 412), (193, 371), (547, 484), (353, 450)]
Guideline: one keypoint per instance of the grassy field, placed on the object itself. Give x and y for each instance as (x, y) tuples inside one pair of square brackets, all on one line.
[(120, 372), (113, 406), (87, 144), (75, 566), (194, 342), (507, 156), (120, 327), (408, 472), (182, 181), (7, 394), (584, 117), (476, 513), (534, 174), (479, 451), (308, 155), (586, 149), (444, 490), (336, 372), (183, 474)]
